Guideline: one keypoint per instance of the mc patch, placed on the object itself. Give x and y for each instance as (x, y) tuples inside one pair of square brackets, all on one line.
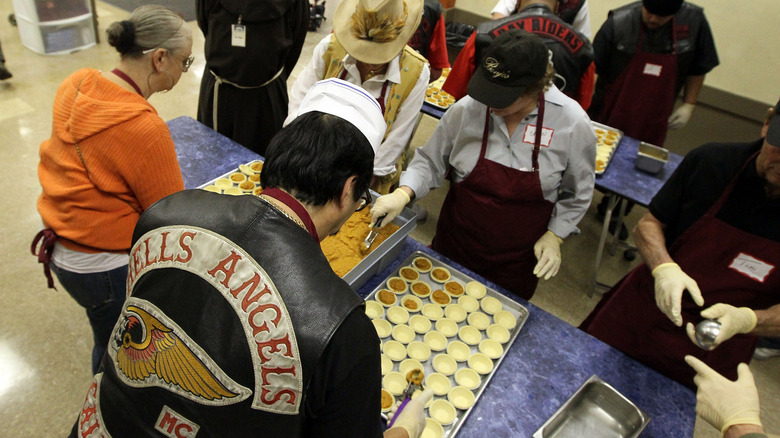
[(173, 425)]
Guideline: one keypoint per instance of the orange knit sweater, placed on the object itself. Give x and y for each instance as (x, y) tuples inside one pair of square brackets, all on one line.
[(129, 153)]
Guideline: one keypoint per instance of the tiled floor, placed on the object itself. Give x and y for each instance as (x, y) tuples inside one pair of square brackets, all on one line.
[(45, 340)]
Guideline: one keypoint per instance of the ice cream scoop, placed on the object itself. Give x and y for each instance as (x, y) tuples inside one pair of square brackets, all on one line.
[(706, 333), (415, 379), (366, 244)]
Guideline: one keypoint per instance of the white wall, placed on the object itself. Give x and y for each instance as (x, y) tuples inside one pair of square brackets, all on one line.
[(746, 35)]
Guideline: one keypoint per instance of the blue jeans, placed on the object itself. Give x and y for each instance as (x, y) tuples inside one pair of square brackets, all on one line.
[(102, 295)]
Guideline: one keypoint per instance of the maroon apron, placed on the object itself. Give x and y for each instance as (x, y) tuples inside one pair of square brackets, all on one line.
[(730, 265), (491, 220), (641, 99)]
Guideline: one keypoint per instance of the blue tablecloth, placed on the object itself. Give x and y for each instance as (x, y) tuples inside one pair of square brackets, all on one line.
[(626, 181), (203, 153), (549, 360)]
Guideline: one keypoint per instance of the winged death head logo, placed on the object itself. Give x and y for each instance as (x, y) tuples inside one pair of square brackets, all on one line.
[(151, 350)]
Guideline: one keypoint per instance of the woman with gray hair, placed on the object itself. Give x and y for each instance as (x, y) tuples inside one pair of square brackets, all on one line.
[(109, 158)]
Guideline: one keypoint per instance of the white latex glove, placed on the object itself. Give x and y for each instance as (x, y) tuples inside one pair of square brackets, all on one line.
[(390, 204), (733, 320), (680, 117), (548, 253), (412, 417), (724, 403), (670, 282)]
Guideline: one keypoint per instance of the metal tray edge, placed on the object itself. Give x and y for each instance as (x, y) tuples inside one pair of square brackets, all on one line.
[(407, 222), (614, 151), (225, 175)]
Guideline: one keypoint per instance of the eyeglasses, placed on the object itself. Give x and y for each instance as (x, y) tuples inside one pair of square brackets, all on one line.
[(365, 200), (185, 63)]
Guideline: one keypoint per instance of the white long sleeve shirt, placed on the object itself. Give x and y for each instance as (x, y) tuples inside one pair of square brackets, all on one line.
[(566, 165), (406, 118)]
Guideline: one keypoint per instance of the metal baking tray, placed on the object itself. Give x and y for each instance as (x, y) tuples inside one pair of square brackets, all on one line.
[(225, 175), (436, 87), (383, 255), (614, 148), (515, 308), (651, 158), (380, 257), (595, 410)]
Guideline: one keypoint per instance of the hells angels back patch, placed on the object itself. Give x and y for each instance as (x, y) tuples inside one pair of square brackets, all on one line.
[(150, 349)]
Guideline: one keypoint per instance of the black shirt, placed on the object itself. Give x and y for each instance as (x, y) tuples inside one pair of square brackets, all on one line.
[(699, 181), (355, 388)]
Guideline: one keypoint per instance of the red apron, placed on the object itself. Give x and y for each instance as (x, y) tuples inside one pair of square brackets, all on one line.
[(730, 265), (641, 99), (491, 220)]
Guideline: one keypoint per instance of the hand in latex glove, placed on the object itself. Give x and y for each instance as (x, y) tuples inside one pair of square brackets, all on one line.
[(724, 403), (670, 282), (390, 204), (733, 320), (548, 253), (412, 417), (680, 117)]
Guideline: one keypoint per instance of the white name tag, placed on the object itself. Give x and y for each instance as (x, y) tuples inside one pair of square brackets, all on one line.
[(751, 267), (652, 69), (238, 35), (530, 135)]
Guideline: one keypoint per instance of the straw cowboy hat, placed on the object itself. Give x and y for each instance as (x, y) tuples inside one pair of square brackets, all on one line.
[(375, 31)]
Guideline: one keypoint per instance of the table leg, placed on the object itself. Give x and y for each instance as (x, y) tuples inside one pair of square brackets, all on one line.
[(612, 200), (612, 248)]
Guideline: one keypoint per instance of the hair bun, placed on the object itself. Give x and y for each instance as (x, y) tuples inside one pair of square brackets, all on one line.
[(122, 36)]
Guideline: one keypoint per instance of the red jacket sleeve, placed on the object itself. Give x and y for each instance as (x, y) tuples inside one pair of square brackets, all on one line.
[(460, 75), (587, 83), (437, 46)]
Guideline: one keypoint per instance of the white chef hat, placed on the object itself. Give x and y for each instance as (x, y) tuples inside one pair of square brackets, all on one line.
[(351, 103)]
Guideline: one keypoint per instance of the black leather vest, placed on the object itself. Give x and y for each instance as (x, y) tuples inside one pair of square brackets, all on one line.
[(233, 304), (572, 51), (422, 36)]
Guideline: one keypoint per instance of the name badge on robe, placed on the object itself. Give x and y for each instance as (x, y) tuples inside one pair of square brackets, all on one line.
[(530, 135), (652, 69), (238, 35), (751, 267)]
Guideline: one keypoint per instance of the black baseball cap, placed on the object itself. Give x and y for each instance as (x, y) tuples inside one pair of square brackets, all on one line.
[(773, 131), (663, 8), (512, 62)]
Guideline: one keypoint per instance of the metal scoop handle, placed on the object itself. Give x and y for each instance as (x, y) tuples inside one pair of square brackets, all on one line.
[(374, 233), (407, 396)]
